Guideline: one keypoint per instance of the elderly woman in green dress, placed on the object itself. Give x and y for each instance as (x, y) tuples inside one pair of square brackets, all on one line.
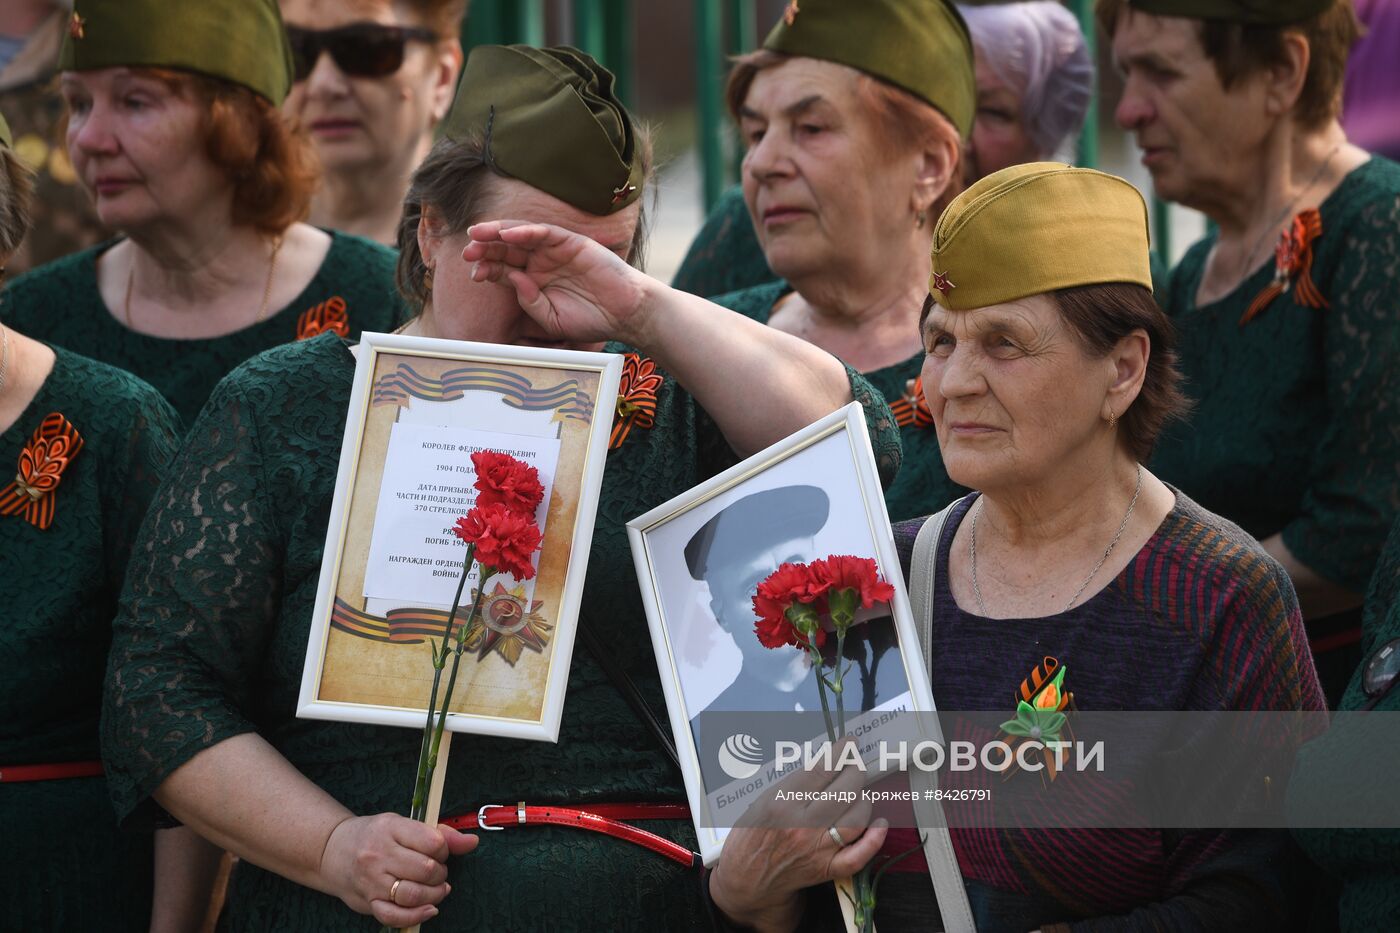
[(83, 447), (1289, 339), (854, 116), (205, 673), (174, 131), (1050, 374)]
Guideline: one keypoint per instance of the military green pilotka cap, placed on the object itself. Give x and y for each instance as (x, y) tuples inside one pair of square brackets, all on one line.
[(922, 46), (1036, 228), (1250, 12), (241, 41), (550, 118)]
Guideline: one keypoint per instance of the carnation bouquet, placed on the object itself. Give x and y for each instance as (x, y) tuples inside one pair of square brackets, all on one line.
[(501, 536), (803, 606)]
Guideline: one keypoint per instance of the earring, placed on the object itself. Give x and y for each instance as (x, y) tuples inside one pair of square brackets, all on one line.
[(920, 219), (428, 279), (1113, 420)]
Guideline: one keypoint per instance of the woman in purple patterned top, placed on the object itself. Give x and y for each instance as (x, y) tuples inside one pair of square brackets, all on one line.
[(1049, 373)]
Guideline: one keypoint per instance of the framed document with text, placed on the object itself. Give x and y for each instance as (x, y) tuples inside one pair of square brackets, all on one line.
[(392, 566), (701, 557)]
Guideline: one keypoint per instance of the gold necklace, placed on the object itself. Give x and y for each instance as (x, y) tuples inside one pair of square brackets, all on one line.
[(267, 286), (977, 511)]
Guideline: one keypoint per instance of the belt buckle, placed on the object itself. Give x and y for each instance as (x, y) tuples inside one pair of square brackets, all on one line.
[(481, 817)]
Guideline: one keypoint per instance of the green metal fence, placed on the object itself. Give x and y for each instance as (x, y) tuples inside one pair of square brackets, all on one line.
[(722, 28)]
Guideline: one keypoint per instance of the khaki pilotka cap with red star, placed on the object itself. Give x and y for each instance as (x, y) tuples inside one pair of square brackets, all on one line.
[(550, 118), (1035, 228), (240, 41), (922, 46)]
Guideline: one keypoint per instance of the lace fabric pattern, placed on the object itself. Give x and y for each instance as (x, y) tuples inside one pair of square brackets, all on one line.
[(1297, 421), (212, 633), (60, 303), (58, 590)]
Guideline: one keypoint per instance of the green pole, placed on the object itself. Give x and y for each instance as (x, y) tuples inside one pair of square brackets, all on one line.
[(1089, 135), (528, 25), (1162, 230), (589, 32), (708, 75), (483, 25), (743, 37)]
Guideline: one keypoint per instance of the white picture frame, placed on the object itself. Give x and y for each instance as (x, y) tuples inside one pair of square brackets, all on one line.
[(367, 655), (671, 547)]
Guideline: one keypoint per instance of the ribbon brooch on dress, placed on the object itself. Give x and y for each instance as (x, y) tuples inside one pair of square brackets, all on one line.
[(328, 315), (41, 466), (912, 408), (636, 398), (1293, 258)]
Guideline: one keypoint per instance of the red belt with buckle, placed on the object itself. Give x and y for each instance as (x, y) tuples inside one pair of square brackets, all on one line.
[(600, 818), (14, 774)]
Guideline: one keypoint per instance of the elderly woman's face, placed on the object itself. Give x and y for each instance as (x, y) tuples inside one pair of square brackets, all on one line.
[(491, 310), (1195, 135), (138, 146), (823, 188), (1013, 394), (999, 137), (367, 122)]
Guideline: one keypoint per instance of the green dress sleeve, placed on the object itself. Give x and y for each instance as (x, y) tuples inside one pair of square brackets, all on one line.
[(191, 631), (1353, 489)]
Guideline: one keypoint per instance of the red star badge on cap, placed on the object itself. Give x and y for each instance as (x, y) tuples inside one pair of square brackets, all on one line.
[(620, 193), (790, 13), (942, 283), (75, 26)]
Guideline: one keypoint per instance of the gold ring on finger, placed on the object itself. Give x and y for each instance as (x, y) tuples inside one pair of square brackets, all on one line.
[(394, 892)]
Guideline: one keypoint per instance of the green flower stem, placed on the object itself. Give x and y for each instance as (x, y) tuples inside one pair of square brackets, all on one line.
[(422, 779), (486, 574)]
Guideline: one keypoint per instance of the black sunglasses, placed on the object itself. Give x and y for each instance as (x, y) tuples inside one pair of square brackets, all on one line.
[(361, 50)]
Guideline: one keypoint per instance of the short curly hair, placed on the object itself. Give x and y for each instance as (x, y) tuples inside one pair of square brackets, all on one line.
[(272, 164)]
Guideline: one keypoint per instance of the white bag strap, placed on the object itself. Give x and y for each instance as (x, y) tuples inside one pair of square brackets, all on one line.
[(938, 843)]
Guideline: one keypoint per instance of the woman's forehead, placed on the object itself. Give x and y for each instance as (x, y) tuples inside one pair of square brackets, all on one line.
[(800, 80), (1032, 311)]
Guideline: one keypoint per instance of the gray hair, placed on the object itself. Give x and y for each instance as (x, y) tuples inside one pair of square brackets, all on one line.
[(1040, 52)]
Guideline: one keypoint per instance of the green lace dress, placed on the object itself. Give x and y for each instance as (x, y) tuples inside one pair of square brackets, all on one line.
[(1297, 421), (64, 866), (213, 632), (1366, 861), (923, 486), (353, 291)]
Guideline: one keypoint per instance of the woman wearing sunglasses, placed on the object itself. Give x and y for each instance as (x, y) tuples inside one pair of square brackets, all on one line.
[(209, 645), (371, 81), (173, 128)]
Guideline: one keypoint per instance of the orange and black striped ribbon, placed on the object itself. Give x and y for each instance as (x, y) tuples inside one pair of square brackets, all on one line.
[(398, 626), (912, 408), (41, 466), (328, 315), (1293, 259), (567, 398), (636, 398), (1030, 688)]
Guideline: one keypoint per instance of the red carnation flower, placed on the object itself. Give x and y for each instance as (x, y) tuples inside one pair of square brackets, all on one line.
[(501, 478), (505, 540), (788, 586), (843, 572)]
